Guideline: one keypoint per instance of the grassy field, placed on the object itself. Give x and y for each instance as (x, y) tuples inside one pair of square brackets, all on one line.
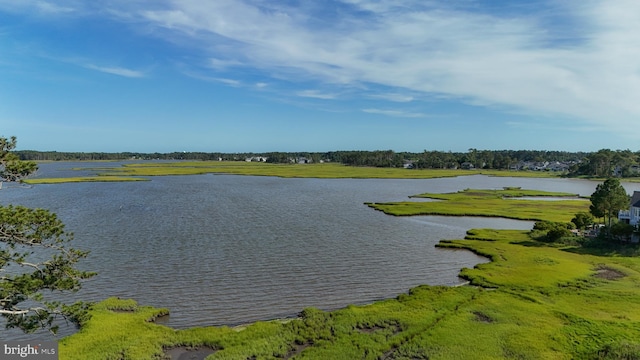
[(325, 170), (493, 203), (532, 301)]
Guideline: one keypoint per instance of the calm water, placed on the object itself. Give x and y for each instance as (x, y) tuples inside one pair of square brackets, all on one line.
[(226, 249)]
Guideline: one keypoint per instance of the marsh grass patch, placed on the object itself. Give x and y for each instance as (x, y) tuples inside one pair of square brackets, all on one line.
[(118, 305)]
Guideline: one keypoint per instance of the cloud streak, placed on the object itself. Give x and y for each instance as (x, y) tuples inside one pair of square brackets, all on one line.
[(117, 71), (316, 94), (37, 6), (395, 113)]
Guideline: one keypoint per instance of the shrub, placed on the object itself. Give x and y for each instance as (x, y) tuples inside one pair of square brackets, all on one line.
[(621, 350), (551, 231), (622, 231), (583, 220), (557, 233), (543, 225)]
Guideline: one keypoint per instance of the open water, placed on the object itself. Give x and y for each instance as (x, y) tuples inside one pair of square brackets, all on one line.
[(228, 250)]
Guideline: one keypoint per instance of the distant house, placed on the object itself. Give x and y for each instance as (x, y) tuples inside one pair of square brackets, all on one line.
[(539, 166), (632, 170), (631, 216), (256, 159), (558, 166), (467, 166)]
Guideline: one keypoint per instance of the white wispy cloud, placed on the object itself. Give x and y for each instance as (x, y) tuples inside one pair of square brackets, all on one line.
[(395, 113), (220, 64), (553, 127), (230, 82), (48, 7), (40, 7), (395, 97), (116, 71), (237, 83), (316, 94)]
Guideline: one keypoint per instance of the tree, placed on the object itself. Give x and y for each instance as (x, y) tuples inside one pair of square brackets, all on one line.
[(601, 163), (35, 259), (582, 220), (622, 231), (609, 198), (11, 167)]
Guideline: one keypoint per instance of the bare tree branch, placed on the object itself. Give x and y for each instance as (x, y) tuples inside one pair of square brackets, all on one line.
[(14, 312)]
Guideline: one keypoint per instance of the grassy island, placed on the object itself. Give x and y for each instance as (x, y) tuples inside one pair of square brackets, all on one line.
[(534, 300), (324, 170), (504, 203)]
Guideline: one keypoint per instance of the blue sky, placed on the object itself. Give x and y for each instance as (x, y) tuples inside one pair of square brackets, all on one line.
[(267, 75)]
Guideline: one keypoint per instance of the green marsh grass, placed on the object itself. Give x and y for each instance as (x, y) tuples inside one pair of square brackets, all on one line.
[(490, 203), (320, 170), (108, 334)]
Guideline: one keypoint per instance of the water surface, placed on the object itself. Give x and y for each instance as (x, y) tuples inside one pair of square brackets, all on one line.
[(227, 249)]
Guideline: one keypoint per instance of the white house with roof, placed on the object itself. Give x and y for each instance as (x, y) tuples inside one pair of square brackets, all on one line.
[(631, 216)]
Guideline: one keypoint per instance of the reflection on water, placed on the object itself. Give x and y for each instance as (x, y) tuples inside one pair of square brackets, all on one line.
[(225, 249)]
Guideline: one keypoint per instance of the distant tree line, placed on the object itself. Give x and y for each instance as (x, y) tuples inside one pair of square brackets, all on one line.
[(32, 155), (603, 163)]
